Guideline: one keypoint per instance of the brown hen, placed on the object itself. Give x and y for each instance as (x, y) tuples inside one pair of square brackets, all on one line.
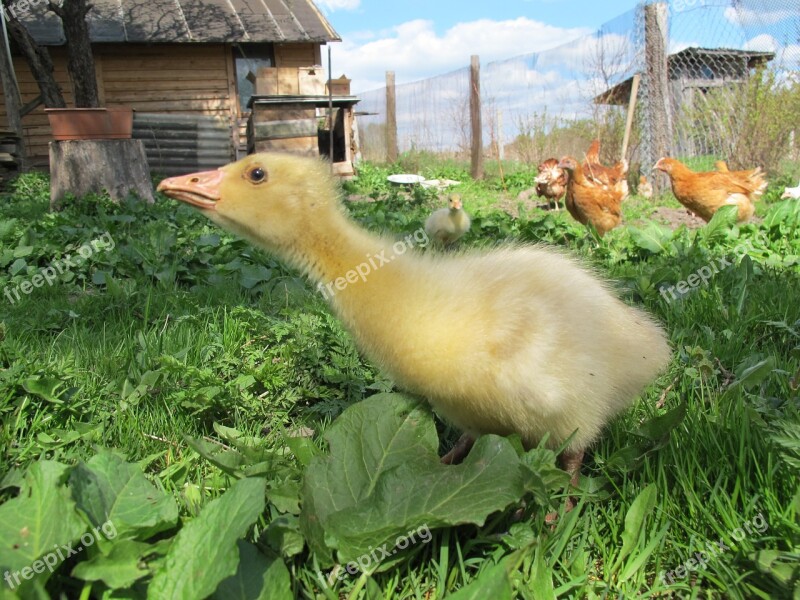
[(551, 182), (705, 193), (590, 201)]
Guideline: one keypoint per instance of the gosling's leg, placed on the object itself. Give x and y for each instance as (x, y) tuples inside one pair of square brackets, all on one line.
[(459, 451), (571, 462)]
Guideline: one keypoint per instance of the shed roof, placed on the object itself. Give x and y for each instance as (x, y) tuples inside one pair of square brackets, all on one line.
[(621, 93), (159, 21)]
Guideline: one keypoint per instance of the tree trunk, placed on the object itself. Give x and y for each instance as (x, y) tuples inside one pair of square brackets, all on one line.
[(39, 62), (79, 51), (10, 87), (82, 167)]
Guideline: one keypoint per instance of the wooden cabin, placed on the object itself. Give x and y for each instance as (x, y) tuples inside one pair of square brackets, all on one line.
[(183, 66)]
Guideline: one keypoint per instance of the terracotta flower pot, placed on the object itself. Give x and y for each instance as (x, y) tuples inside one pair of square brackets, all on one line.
[(90, 123)]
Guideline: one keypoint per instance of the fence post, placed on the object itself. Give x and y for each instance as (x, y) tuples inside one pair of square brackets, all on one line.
[(656, 44), (391, 118), (475, 116)]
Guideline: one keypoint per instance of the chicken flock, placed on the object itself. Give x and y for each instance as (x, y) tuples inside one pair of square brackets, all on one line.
[(593, 193)]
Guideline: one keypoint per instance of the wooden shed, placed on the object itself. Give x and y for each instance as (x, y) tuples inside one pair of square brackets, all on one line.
[(697, 70), (182, 65)]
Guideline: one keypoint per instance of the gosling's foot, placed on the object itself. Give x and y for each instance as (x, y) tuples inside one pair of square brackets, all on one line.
[(459, 451), (571, 462)]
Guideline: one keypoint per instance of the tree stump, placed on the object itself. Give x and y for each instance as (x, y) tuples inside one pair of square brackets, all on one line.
[(80, 167)]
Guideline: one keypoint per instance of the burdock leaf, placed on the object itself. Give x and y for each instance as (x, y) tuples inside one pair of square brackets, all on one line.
[(205, 551), (40, 520), (116, 494), (384, 486)]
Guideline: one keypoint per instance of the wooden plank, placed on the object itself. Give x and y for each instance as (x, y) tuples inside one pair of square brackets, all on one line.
[(217, 86), (475, 117), (162, 96), (631, 113), (98, 73), (119, 66), (172, 74), (311, 81), (274, 130), (279, 114), (391, 117), (288, 82), (296, 55), (303, 146)]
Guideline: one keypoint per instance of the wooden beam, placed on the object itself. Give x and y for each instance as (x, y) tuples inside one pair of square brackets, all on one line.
[(657, 71), (391, 118), (475, 116), (31, 106), (631, 112)]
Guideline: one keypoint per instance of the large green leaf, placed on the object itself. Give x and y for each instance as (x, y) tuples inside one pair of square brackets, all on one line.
[(642, 506), (492, 583), (719, 227), (383, 484), (41, 520), (206, 551), (788, 212), (654, 238), (120, 568), (110, 490), (257, 578)]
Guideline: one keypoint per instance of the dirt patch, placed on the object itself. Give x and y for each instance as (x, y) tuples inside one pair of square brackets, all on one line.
[(675, 217)]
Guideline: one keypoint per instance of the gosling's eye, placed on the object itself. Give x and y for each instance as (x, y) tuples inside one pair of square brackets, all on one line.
[(257, 175)]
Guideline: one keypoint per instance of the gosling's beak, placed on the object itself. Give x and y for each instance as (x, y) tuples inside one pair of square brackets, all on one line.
[(198, 189)]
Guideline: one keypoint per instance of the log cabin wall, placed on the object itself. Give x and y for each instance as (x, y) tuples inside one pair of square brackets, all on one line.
[(157, 80)]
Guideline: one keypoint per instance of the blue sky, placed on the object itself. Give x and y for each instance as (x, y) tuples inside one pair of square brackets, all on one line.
[(380, 14), (418, 39), (422, 38)]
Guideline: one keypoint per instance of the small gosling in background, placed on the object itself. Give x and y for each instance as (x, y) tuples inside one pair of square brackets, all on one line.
[(446, 225), (645, 187)]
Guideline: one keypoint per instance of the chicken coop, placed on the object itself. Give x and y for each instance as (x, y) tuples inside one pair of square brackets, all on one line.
[(695, 75), (186, 68)]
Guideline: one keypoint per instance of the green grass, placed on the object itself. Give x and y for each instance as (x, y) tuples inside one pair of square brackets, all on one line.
[(153, 347)]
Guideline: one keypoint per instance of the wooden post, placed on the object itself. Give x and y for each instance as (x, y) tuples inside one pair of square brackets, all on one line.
[(82, 167), (9, 80), (631, 112), (391, 118), (657, 70), (475, 116)]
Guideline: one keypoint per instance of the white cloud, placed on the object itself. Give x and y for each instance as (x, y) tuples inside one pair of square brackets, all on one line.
[(748, 16), (762, 43), (414, 50), (332, 5)]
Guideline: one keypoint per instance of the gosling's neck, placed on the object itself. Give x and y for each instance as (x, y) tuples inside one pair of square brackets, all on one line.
[(331, 248)]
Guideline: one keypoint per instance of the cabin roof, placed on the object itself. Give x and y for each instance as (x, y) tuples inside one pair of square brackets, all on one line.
[(620, 93), (209, 21)]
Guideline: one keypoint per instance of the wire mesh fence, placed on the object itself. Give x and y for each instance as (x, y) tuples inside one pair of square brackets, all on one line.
[(711, 72)]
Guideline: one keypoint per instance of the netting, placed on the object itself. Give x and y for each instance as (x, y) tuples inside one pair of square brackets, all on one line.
[(717, 57)]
